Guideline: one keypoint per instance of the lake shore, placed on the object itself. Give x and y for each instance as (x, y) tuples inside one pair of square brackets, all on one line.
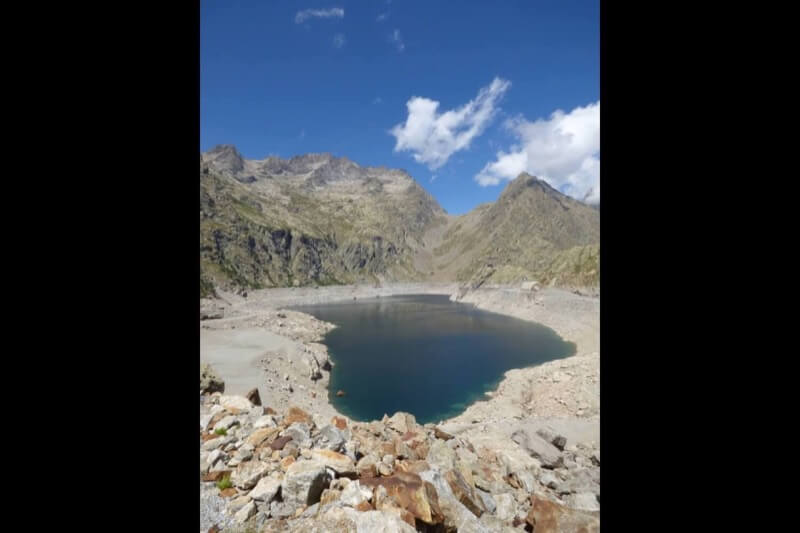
[(258, 343)]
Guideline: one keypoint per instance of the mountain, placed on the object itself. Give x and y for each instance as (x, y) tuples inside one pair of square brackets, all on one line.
[(311, 219), (532, 232), (317, 219)]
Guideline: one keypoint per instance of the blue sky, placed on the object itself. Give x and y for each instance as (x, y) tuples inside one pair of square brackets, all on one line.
[(288, 77)]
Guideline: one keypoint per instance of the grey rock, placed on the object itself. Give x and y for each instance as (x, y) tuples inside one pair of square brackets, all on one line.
[(584, 501), (552, 437), (488, 500), (245, 513), (299, 431), (330, 438), (219, 442), (247, 474), (281, 510), (537, 447), (265, 421), (456, 514), (266, 489), (506, 506), (548, 479), (225, 423), (304, 482), (205, 420)]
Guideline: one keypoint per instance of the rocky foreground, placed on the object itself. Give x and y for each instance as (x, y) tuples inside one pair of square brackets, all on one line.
[(268, 471)]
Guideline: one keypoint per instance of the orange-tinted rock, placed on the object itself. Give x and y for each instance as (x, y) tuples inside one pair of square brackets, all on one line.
[(464, 493), (409, 492), (387, 448), (229, 492), (216, 476), (208, 436), (339, 422), (550, 517), (297, 415), (415, 467), (340, 393), (269, 411), (260, 435), (364, 506), (286, 462), (439, 434)]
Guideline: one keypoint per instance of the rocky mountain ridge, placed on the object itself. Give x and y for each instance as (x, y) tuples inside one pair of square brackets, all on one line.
[(317, 219)]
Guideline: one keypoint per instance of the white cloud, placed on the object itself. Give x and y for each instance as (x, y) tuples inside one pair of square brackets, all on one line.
[(433, 137), (397, 39), (382, 17), (339, 40), (334, 12), (563, 150)]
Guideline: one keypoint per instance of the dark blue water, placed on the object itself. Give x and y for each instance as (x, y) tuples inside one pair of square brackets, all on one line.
[(424, 354)]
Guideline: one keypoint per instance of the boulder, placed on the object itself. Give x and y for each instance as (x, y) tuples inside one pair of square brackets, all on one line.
[(253, 396), (439, 434), (225, 423), (280, 442), (258, 436), (584, 501), (552, 437), (265, 421), (304, 482), (245, 513), (455, 514), (266, 489), (298, 431), (334, 460), (506, 506), (401, 422), (235, 402), (408, 492), (464, 493), (247, 474), (331, 438), (546, 516), (209, 380), (355, 493), (537, 447)]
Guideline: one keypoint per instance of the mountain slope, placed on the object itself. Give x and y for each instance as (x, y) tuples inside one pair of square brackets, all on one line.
[(531, 232), (317, 219), (312, 219)]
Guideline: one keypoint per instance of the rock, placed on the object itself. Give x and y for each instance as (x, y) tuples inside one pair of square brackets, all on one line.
[(304, 482), (205, 420), (339, 422), (549, 517), (281, 510), (266, 421), (538, 448), (266, 489), (299, 431), (409, 492), (506, 506), (218, 442), (225, 423), (488, 501), (584, 501), (351, 448), (228, 493), (340, 393), (331, 438), (247, 474), (337, 461), (214, 456), (216, 476), (385, 469), (280, 442), (596, 458), (354, 494), (296, 414), (245, 513), (456, 515), (235, 402), (258, 436), (367, 466), (253, 396), (550, 436), (464, 493), (439, 434), (209, 381), (237, 503), (401, 422), (548, 480), (441, 455)]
